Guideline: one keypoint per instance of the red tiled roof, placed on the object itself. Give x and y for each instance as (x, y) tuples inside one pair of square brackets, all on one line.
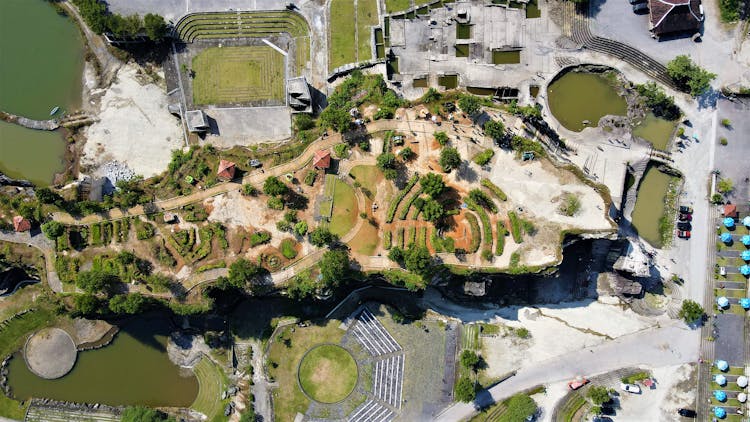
[(226, 169), (730, 210), (322, 159), (21, 224), (674, 15)]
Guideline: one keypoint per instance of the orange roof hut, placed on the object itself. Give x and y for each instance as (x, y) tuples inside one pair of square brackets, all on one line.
[(322, 159), (226, 170), (730, 210), (21, 224)]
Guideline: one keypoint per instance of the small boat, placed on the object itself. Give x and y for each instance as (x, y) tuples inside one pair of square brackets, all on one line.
[(54, 110)]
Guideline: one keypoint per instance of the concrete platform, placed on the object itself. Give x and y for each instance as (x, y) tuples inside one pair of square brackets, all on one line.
[(50, 353)]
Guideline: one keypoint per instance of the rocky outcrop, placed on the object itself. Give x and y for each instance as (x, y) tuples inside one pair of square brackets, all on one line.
[(7, 181)]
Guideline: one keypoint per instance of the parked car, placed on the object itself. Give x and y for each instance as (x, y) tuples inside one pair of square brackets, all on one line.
[(640, 8), (683, 234), (636, 1), (688, 413), (684, 225), (722, 271), (578, 383), (686, 209), (685, 217), (630, 388)]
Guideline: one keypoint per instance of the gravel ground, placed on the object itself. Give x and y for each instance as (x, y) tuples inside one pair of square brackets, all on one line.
[(50, 353)]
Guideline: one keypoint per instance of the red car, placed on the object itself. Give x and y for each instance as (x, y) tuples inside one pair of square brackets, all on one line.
[(683, 234), (686, 217), (577, 383)]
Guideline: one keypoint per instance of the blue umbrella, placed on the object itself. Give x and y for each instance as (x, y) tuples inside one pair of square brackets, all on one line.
[(745, 302), (745, 270), (720, 395), (720, 379), (722, 365), (729, 222), (746, 221), (723, 302), (746, 240), (745, 255), (726, 237), (720, 413)]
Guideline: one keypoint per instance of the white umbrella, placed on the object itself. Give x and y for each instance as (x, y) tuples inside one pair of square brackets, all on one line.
[(742, 381), (742, 397)]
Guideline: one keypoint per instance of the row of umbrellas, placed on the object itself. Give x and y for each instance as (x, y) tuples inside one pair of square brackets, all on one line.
[(723, 302), (726, 237), (722, 380), (729, 221)]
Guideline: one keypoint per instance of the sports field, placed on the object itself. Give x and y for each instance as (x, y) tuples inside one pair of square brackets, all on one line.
[(231, 75)]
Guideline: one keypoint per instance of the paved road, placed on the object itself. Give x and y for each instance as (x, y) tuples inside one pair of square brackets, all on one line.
[(654, 347)]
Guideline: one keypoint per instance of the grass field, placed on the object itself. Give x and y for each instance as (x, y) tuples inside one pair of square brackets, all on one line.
[(367, 17), (344, 209), (367, 176), (211, 384), (283, 358), (328, 373), (342, 49), (226, 75), (396, 5)]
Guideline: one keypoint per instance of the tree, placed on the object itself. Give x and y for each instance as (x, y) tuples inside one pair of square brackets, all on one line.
[(274, 187), (482, 199), (53, 229), (396, 254), (386, 161), (337, 118), (465, 391), (154, 26), (418, 260), (441, 138), (321, 236), (598, 394), (127, 304), (689, 75), (241, 274), (494, 129), (691, 311), (725, 185), (334, 266), (449, 159), (658, 101), (95, 281), (432, 210), (47, 196), (142, 414), (300, 228), (407, 154), (469, 104), (469, 359), (86, 304), (301, 286), (431, 95), (432, 184), (519, 408), (303, 121)]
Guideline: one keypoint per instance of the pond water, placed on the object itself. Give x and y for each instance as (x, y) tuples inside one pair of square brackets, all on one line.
[(462, 50), (649, 205), (134, 369), (448, 81), (420, 83), (656, 130), (506, 57), (579, 96), (463, 31), (42, 72)]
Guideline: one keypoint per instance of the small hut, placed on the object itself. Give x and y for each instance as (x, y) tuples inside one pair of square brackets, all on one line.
[(226, 170), (21, 224), (730, 210), (322, 159)]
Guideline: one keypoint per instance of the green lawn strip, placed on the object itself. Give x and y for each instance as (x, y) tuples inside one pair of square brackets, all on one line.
[(515, 227), (396, 5), (638, 376), (405, 209), (489, 329), (342, 49), (733, 370), (399, 197), (494, 189), (476, 235), (422, 237), (344, 209), (486, 225), (367, 17), (336, 382), (501, 232), (735, 293), (210, 385)]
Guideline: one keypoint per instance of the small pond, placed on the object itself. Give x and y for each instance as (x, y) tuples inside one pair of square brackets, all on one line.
[(532, 10), (649, 205), (463, 31), (420, 83), (462, 50), (656, 130), (448, 81), (134, 369), (506, 57), (578, 96), (481, 91)]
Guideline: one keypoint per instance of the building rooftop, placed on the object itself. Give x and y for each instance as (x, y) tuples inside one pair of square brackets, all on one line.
[(197, 121), (668, 16)]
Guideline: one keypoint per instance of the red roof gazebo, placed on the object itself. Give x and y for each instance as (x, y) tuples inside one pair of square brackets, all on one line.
[(730, 210), (226, 170), (21, 224), (322, 159)]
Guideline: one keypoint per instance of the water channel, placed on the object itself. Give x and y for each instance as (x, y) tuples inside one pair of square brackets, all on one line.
[(133, 369), (41, 72), (579, 96)]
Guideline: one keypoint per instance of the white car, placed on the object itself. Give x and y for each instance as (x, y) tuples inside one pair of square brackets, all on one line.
[(722, 271), (630, 388)]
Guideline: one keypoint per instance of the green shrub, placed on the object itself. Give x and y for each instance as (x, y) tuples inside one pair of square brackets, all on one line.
[(259, 238), (195, 212), (515, 227), (310, 177), (341, 150), (487, 255), (405, 209), (411, 234), (300, 228), (249, 190), (400, 237), (494, 189), (96, 234), (275, 203), (288, 248), (570, 205), (501, 232), (475, 232), (399, 197), (723, 141), (484, 157), (387, 239)]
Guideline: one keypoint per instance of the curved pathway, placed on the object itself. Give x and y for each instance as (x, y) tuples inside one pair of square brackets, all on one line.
[(47, 248)]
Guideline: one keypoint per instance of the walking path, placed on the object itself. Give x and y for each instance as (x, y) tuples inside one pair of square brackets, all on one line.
[(45, 245)]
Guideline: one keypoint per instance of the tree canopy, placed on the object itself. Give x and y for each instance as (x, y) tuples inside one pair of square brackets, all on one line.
[(242, 274), (53, 229), (321, 236), (469, 359), (520, 407), (274, 187), (449, 159), (418, 260), (494, 129), (432, 184), (95, 281), (432, 210), (598, 394), (691, 311), (689, 75), (469, 104), (334, 266), (465, 391), (143, 414), (154, 26), (127, 304)]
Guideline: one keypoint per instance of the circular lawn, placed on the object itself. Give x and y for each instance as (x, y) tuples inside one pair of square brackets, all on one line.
[(327, 373)]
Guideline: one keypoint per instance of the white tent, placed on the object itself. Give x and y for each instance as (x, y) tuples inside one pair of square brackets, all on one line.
[(742, 381), (742, 397)]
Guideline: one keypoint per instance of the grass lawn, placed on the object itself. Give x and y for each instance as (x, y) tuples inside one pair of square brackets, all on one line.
[(366, 240), (344, 209), (229, 75), (210, 385), (367, 176), (396, 5), (367, 16), (342, 47), (572, 407), (328, 373), (470, 337), (283, 358)]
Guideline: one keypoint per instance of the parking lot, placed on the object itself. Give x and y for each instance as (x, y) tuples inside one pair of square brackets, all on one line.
[(732, 159)]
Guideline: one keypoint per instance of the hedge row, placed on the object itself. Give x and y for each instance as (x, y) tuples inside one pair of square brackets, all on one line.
[(400, 237), (475, 234), (405, 210), (501, 233), (494, 189), (397, 200), (387, 239), (515, 227), (486, 226)]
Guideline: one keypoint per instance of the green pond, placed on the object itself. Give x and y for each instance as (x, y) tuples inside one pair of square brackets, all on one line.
[(532, 10), (656, 130), (420, 83), (39, 73), (462, 50), (463, 31), (133, 369), (649, 205), (579, 96), (506, 57), (448, 81)]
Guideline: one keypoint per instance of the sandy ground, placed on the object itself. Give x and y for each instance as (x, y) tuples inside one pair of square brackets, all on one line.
[(134, 127), (675, 388), (556, 330)]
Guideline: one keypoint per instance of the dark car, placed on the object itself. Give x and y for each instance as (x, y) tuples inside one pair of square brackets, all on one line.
[(640, 8), (685, 217), (684, 225), (688, 413), (683, 234), (686, 209)]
